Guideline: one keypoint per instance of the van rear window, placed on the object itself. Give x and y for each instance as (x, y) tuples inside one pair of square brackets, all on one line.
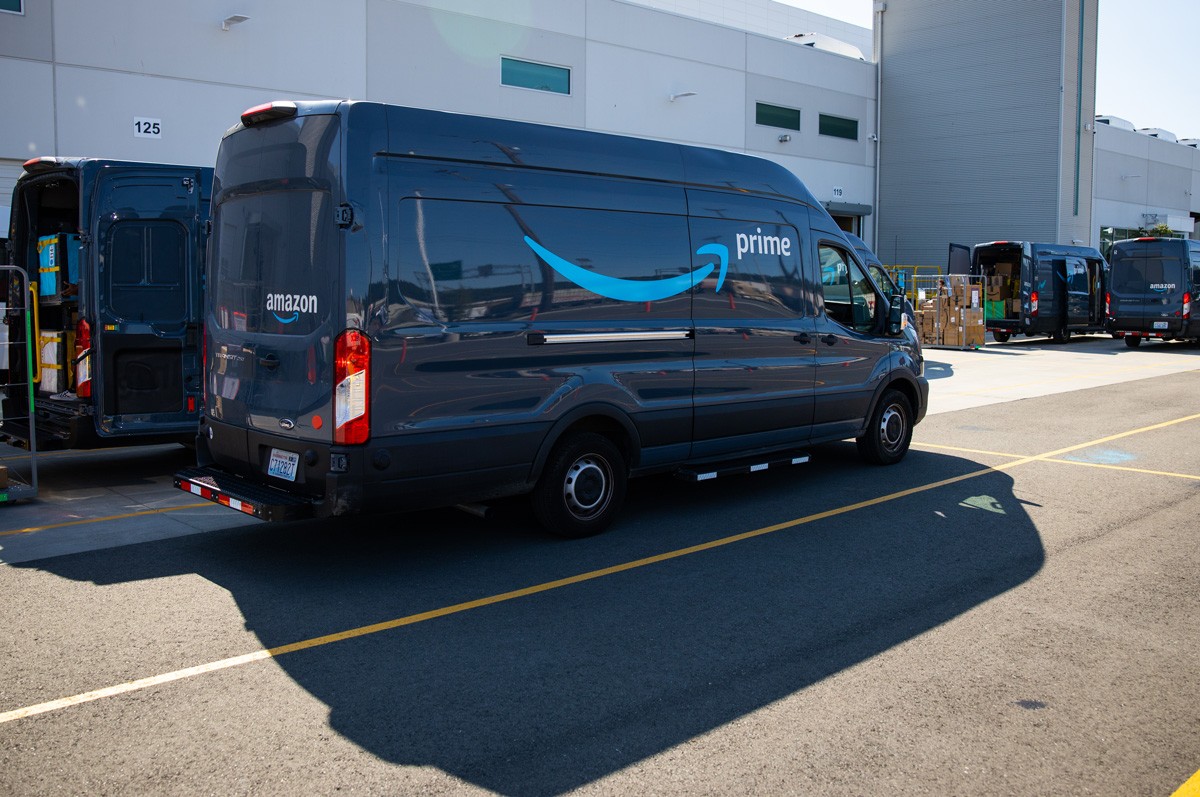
[(274, 264)]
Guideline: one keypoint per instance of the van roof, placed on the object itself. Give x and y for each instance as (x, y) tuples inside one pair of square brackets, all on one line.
[(1048, 249), (420, 133)]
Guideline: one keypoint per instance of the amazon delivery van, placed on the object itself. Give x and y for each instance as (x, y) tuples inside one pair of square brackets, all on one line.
[(410, 308), (1154, 282)]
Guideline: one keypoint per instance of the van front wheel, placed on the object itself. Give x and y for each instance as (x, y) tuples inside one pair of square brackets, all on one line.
[(889, 431), (582, 486)]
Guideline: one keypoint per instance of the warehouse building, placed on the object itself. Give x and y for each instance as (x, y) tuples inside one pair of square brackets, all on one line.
[(945, 139)]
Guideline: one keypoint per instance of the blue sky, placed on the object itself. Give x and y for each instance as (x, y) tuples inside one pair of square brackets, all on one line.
[(1146, 68)]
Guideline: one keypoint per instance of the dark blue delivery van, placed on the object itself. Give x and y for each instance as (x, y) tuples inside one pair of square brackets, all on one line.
[(1154, 282), (410, 308), (114, 251)]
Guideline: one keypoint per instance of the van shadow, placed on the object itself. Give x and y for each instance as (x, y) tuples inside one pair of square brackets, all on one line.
[(544, 693)]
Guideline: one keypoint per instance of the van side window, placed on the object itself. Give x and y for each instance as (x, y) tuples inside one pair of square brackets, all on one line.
[(146, 263), (462, 261), (850, 298), (763, 277)]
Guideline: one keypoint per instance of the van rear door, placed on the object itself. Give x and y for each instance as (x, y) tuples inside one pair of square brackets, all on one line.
[(1147, 283), (144, 361), (275, 281)]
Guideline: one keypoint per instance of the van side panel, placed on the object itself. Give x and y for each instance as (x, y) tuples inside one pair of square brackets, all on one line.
[(490, 335), (755, 325)]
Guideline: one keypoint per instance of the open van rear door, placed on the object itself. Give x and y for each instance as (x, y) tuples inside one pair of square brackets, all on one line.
[(959, 259), (144, 302)]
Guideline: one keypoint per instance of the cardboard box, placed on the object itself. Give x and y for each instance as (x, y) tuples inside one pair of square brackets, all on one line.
[(1006, 269), (3, 477), (952, 336), (1014, 306)]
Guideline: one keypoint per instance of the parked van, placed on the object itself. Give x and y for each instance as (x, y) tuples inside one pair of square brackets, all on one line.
[(879, 273), (1041, 289), (411, 308), (114, 251), (1153, 282)]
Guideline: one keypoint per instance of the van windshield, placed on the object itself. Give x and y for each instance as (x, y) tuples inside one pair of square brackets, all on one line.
[(273, 250)]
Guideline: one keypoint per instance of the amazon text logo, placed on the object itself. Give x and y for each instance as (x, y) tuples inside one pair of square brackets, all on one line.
[(293, 303)]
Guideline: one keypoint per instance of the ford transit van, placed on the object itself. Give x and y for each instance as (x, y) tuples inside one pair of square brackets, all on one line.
[(411, 308), (1041, 289), (1153, 284), (113, 251)]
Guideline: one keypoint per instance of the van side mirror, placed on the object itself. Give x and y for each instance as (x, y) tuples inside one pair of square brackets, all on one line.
[(897, 318)]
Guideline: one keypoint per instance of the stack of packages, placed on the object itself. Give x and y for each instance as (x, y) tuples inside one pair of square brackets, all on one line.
[(933, 316), (953, 315), (1003, 300), (966, 314)]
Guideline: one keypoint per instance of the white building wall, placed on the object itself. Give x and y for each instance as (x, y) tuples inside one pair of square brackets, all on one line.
[(78, 72), (1139, 176)]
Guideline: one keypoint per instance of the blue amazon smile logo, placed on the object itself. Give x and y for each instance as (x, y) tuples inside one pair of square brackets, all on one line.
[(627, 290)]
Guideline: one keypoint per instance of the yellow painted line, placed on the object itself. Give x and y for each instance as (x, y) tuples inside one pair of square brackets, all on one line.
[(1060, 461), (1122, 467), (82, 521), (1189, 789), (445, 611), (969, 450)]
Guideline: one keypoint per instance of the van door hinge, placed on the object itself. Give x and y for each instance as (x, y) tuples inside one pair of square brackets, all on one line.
[(343, 215), (189, 184), (85, 239)]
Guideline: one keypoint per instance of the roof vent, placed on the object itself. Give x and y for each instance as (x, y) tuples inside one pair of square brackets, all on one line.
[(1158, 132), (819, 41)]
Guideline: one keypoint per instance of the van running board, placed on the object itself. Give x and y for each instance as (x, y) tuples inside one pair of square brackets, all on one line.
[(741, 466)]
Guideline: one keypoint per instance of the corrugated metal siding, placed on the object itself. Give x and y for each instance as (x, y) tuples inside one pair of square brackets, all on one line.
[(971, 124), (1079, 109)]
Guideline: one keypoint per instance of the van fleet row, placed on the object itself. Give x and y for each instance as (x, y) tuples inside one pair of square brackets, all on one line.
[(405, 308)]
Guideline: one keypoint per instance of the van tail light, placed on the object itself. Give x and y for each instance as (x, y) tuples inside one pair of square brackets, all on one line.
[(83, 359), (1033, 303), (1187, 305), (1107, 304), (352, 379)]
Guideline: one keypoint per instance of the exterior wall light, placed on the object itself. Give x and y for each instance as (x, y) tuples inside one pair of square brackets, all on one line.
[(679, 94), (233, 19), (784, 138)]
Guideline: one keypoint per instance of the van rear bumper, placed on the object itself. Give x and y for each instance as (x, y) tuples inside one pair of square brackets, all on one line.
[(224, 488)]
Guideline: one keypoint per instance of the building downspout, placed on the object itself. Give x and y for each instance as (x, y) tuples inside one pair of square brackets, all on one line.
[(1079, 103), (880, 7)]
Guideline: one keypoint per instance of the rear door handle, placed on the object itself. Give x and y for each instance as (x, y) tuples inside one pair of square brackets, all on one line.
[(802, 338), (270, 362), (829, 339)]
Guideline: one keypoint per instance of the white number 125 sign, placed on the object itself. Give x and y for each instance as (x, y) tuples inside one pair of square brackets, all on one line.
[(147, 128)]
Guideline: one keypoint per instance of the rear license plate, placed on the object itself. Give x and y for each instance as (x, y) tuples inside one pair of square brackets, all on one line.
[(283, 465), (1160, 324)]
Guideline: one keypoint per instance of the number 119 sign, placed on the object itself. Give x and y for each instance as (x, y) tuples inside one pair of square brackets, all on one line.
[(147, 128)]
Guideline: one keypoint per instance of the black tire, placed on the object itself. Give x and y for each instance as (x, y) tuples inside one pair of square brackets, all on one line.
[(889, 431), (582, 487), (1060, 335), (1000, 337), (1132, 342)]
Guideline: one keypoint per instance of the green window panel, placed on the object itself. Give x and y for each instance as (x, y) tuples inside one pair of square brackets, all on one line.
[(528, 75), (838, 127), (776, 116)]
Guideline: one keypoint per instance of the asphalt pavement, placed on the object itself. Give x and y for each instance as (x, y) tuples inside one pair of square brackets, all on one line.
[(1014, 609)]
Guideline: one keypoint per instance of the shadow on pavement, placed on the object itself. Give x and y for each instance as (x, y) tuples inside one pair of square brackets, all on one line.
[(545, 693)]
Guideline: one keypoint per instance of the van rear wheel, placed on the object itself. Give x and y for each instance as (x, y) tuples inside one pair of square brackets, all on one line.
[(889, 431), (1133, 341), (1000, 337), (582, 487)]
